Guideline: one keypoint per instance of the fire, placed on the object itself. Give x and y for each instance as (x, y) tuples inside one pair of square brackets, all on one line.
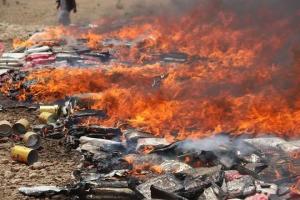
[(240, 76), (50, 36), (140, 167)]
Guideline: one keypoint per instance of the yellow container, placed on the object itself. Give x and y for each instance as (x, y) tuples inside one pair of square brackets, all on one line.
[(47, 117), (21, 126), (24, 155), (32, 140), (5, 128), (50, 109)]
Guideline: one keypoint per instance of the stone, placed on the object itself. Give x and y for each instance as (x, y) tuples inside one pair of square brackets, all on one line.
[(241, 187), (15, 169), (8, 175), (4, 161), (16, 181), (37, 166), (33, 175)]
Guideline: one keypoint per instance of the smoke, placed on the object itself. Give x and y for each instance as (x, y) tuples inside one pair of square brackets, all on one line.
[(207, 144), (217, 143)]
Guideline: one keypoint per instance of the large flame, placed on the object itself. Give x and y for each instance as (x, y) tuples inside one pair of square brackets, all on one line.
[(242, 73)]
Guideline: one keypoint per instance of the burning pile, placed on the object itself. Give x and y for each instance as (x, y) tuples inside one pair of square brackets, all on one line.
[(161, 85)]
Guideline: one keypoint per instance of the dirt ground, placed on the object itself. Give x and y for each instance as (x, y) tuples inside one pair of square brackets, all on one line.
[(55, 164), (37, 12)]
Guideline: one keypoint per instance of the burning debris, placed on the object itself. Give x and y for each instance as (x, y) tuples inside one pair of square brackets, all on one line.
[(192, 116)]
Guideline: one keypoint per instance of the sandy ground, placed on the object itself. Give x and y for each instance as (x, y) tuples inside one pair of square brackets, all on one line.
[(43, 12), (55, 164)]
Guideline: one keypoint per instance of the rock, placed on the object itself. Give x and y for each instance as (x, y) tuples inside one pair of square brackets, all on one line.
[(241, 187), (16, 181), (4, 140), (37, 166), (8, 175), (6, 145), (15, 168), (14, 162), (33, 175), (4, 161)]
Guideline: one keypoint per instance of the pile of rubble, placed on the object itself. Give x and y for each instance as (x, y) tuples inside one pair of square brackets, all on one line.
[(125, 163)]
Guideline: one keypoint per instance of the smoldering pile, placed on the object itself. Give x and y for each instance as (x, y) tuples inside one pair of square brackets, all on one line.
[(130, 164)]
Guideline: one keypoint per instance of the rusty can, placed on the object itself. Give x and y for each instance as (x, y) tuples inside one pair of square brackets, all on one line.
[(21, 126), (47, 117), (50, 109), (24, 154), (32, 140), (5, 128)]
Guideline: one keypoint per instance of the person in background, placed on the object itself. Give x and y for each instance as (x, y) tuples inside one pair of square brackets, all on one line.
[(64, 8)]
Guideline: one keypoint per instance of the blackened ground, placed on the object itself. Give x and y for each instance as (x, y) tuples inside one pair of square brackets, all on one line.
[(55, 167)]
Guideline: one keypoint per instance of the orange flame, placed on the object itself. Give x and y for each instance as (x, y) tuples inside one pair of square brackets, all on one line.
[(240, 75)]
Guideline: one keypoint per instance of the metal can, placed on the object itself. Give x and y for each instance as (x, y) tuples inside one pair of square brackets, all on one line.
[(32, 140), (24, 154), (21, 126), (47, 117), (50, 109), (5, 128)]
